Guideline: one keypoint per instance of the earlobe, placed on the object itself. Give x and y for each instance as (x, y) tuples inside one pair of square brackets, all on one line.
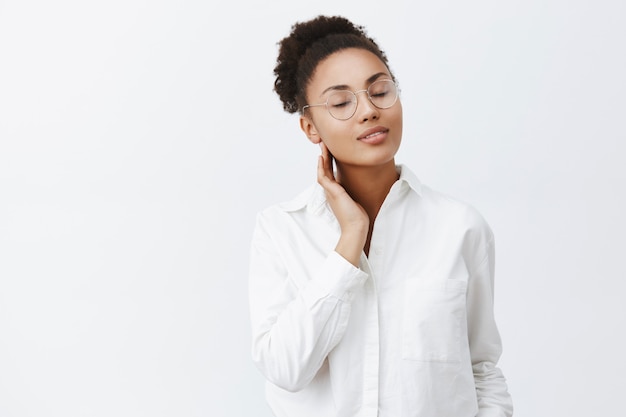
[(309, 129)]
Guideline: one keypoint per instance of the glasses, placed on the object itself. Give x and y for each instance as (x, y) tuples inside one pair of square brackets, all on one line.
[(342, 104)]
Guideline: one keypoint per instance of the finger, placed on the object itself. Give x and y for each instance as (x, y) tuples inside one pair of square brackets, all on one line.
[(328, 160), (324, 156), (322, 175), (324, 151), (325, 175)]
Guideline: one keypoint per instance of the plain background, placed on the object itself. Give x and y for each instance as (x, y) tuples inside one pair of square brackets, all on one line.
[(139, 138)]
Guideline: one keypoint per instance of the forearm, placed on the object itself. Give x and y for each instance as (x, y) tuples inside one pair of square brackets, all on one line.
[(293, 328), (350, 245), (492, 392), (289, 349)]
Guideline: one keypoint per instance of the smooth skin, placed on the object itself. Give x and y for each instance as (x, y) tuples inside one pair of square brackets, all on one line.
[(365, 166)]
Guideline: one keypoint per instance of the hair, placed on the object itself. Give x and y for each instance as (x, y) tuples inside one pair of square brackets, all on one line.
[(307, 45)]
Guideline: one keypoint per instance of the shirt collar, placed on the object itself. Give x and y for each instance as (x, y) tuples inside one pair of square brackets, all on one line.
[(408, 177)]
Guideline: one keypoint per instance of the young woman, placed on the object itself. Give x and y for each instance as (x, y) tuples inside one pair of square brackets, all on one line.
[(370, 293)]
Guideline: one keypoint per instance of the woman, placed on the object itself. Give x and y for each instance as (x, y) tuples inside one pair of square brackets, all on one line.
[(370, 293)]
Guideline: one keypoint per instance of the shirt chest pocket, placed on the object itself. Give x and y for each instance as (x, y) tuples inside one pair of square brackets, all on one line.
[(433, 320)]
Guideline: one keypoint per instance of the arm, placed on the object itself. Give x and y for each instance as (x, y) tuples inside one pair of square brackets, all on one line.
[(294, 329), (484, 338)]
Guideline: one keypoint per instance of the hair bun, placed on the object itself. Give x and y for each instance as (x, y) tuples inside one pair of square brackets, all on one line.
[(294, 64), (307, 33)]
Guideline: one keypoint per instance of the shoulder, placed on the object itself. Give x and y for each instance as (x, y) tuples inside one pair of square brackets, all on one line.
[(462, 224), (461, 210), (299, 202), (447, 213), (309, 200), (459, 215)]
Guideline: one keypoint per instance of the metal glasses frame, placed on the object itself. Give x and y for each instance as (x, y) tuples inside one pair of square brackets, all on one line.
[(354, 93)]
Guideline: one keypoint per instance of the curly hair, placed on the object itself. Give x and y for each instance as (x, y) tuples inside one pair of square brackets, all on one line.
[(306, 46)]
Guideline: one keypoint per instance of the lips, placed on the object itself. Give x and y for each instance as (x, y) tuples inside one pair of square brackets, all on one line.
[(374, 135)]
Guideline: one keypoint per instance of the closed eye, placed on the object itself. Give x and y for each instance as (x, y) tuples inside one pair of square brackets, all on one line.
[(342, 104)]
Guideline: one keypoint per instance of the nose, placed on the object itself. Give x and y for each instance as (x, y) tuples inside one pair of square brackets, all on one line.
[(366, 109)]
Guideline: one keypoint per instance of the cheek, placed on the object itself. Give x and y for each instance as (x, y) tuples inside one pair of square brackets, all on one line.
[(398, 112), (331, 130), (396, 118)]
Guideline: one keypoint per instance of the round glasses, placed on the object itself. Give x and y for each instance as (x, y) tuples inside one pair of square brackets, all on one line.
[(342, 104)]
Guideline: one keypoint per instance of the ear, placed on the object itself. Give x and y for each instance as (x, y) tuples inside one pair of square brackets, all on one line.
[(309, 129)]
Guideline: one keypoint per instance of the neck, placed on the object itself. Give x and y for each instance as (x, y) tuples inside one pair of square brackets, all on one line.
[(368, 186)]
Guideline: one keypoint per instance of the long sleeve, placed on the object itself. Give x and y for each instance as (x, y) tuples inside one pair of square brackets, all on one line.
[(484, 338), (296, 322), (411, 332)]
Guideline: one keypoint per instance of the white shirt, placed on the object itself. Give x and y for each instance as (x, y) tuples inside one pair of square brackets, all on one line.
[(411, 332)]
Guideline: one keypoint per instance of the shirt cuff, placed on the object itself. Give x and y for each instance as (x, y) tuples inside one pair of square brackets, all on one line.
[(339, 278)]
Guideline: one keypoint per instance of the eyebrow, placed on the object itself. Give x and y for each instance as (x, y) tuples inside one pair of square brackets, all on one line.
[(346, 87)]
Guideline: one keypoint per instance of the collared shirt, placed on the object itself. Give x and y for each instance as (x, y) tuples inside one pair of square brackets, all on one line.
[(410, 332)]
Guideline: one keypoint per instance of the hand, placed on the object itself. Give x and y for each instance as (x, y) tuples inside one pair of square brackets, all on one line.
[(351, 216)]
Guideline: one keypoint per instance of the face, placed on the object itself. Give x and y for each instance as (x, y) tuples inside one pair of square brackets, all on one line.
[(371, 137)]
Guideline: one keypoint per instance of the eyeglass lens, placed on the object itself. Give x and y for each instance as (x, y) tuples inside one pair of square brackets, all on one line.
[(342, 104)]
